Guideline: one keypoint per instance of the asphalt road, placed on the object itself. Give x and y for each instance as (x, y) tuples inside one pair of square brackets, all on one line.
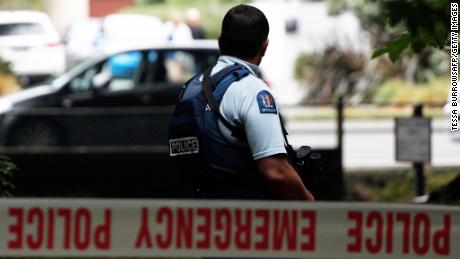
[(371, 143)]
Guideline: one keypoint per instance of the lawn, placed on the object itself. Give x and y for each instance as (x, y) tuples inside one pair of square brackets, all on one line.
[(397, 185)]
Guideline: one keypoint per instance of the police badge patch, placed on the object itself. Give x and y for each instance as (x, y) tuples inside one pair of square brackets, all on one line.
[(266, 102)]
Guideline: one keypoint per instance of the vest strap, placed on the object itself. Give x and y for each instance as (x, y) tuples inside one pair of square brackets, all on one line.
[(289, 149), (213, 102), (219, 76)]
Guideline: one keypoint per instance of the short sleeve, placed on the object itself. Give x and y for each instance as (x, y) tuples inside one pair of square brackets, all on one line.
[(261, 121)]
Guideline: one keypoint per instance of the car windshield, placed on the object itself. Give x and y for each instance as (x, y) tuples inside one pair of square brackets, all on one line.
[(21, 29)]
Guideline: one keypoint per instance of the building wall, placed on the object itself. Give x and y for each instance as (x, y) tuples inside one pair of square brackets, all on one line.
[(100, 8)]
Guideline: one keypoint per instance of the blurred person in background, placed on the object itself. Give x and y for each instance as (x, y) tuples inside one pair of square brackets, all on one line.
[(176, 30), (193, 21)]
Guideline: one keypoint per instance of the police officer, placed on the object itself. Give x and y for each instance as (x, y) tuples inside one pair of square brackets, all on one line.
[(254, 166)]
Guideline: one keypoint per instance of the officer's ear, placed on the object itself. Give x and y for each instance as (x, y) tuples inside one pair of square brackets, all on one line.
[(219, 40)]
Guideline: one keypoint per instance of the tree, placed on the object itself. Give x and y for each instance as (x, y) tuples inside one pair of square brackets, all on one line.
[(396, 26), (423, 23), (393, 27)]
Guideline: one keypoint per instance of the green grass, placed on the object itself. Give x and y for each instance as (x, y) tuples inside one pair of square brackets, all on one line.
[(397, 91), (396, 185)]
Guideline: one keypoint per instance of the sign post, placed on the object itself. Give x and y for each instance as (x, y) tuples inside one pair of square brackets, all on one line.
[(413, 144)]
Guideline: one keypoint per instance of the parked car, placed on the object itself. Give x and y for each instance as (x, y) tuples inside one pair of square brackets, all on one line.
[(29, 40), (121, 98), (88, 37)]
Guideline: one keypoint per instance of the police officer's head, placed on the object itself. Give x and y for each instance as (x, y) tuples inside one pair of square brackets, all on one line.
[(244, 33)]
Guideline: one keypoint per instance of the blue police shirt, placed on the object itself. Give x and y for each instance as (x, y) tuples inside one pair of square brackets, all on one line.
[(249, 104)]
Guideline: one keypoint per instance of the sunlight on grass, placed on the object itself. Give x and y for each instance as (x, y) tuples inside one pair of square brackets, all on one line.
[(397, 91)]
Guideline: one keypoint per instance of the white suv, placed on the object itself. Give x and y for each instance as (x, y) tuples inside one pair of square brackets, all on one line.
[(29, 40)]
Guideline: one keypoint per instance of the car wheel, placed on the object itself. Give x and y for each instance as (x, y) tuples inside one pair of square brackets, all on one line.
[(35, 134)]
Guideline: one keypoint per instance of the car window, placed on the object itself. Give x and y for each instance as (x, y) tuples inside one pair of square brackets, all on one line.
[(21, 29), (125, 70), (180, 65), (133, 69), (83, 82)]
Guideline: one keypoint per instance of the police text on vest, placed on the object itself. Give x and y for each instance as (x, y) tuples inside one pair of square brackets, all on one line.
[(183, 146)]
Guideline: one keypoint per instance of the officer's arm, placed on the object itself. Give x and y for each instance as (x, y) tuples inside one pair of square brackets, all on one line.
[(282, 179)]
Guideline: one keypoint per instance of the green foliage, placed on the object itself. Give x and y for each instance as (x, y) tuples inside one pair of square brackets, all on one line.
[(396, 185), (367, 11), (21, 4), (370, 15), (402, 188), (425, 24), (412, 29), (394, 48), (330, 74), (5, 67), (398, 27), (6, 170), (397, 189), (398, 91)]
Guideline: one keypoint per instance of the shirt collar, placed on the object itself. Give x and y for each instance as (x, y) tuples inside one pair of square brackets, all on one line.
[(253, 69)]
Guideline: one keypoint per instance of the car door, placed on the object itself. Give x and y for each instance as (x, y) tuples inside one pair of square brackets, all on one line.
[(109, 115)]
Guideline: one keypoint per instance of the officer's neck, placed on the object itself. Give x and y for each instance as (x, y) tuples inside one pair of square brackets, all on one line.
[(255, 60)]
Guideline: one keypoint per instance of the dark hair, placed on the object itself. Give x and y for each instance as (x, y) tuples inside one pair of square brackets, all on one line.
[(244, 30)]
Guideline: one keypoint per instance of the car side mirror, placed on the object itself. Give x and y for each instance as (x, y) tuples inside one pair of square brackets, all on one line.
[(101, 81)]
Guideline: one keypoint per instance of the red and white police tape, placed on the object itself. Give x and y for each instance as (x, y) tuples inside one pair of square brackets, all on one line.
[(190, 228)]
